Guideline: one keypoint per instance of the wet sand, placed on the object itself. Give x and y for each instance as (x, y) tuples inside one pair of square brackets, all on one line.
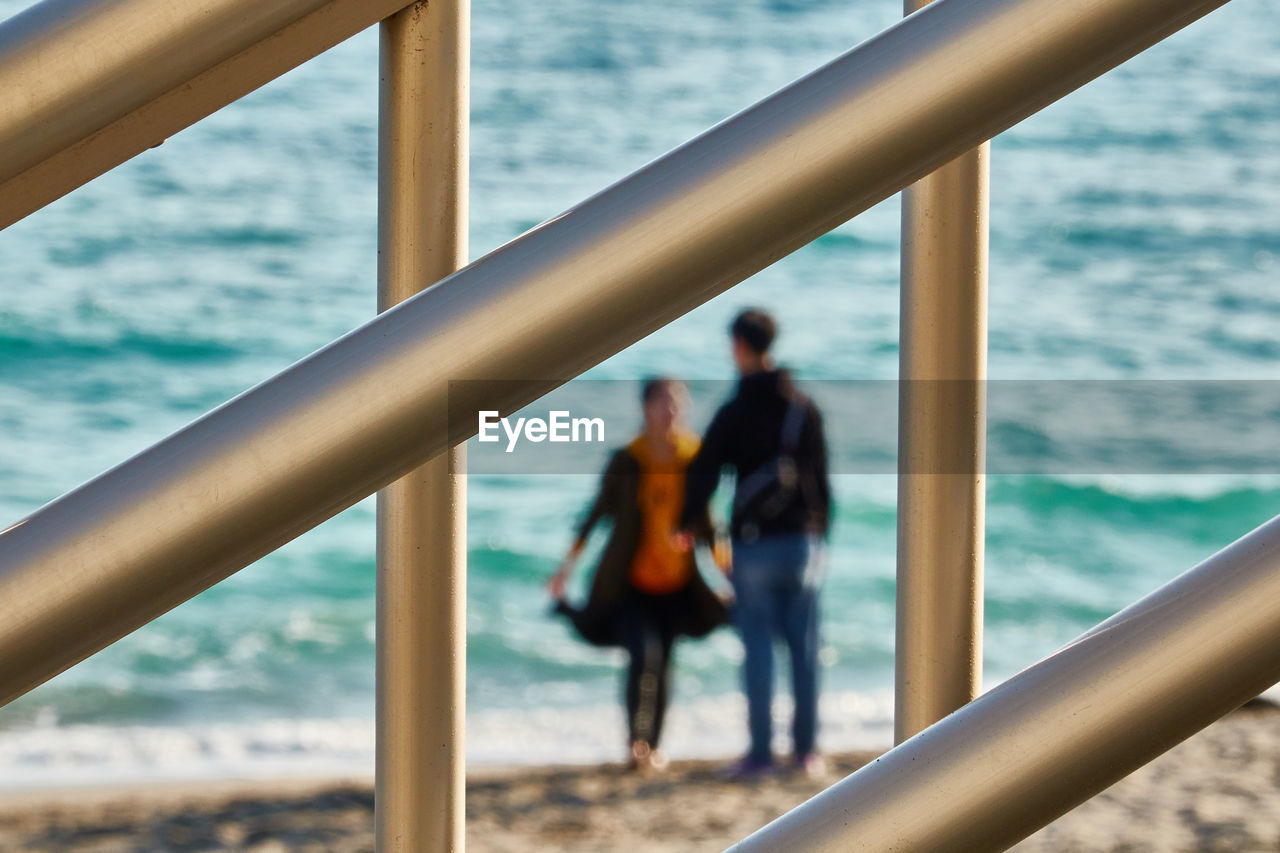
[(1219, 791)]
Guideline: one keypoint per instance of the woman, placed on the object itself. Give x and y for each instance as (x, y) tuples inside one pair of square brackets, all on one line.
[(645, 591)]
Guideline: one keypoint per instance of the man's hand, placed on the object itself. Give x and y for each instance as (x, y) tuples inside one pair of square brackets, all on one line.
[(722, 555)]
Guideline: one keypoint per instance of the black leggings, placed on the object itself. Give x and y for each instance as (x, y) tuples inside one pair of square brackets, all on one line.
[(647, 628)]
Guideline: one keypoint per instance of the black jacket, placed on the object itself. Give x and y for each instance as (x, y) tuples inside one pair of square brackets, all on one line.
[(610, 587), (746, 433)]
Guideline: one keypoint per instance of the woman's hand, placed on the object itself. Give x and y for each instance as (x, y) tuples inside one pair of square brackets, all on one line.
[(682, 541), (557, 583)]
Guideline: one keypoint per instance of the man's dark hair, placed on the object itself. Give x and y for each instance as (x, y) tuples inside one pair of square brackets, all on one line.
[(756, 329), (655, 385)]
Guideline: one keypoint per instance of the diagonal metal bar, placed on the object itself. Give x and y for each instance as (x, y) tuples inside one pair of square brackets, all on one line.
[(282, 457), (87, 84), (1049, 738)]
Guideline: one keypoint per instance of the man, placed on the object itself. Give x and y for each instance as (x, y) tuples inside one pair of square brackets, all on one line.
[(772, 437)]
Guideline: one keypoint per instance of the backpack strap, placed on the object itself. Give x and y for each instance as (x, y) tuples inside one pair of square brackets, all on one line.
[(758, 480), (792, 424)]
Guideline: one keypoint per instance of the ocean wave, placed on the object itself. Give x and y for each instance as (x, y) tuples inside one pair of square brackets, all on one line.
[(43, 346), (49, 754), (1202, 504)]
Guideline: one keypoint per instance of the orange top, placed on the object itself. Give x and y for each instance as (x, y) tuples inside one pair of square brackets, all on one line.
[(657, 568)]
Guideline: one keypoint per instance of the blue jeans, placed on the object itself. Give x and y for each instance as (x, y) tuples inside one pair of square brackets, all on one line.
[(774, 579)]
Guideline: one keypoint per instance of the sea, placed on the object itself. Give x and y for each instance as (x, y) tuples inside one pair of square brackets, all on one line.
[(1135, 238)]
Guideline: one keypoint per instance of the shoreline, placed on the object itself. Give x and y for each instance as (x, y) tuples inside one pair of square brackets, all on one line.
[(1218, 791), (591, 733)]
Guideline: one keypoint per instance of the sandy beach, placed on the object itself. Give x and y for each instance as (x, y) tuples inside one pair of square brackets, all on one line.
[(1219, 791)]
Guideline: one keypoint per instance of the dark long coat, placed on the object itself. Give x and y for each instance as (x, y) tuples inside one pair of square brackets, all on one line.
[(618, 499)]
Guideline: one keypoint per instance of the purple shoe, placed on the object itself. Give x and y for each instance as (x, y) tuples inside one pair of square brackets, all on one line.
[(748, 770)]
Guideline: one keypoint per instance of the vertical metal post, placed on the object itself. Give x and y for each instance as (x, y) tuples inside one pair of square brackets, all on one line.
[(941, 440), (421, 627)]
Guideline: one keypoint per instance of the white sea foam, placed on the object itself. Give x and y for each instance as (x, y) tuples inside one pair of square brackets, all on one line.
[(51, 755)]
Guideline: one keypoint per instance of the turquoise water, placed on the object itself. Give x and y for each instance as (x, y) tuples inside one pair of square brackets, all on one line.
[(1135, 235)]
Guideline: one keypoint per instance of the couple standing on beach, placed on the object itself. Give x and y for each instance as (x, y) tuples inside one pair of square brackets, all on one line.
[(647, 590)]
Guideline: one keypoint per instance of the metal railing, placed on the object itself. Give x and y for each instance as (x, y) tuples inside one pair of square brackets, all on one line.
[(88, 84), (421, 622), (1059, 732), (942, 334), (279, 459)]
